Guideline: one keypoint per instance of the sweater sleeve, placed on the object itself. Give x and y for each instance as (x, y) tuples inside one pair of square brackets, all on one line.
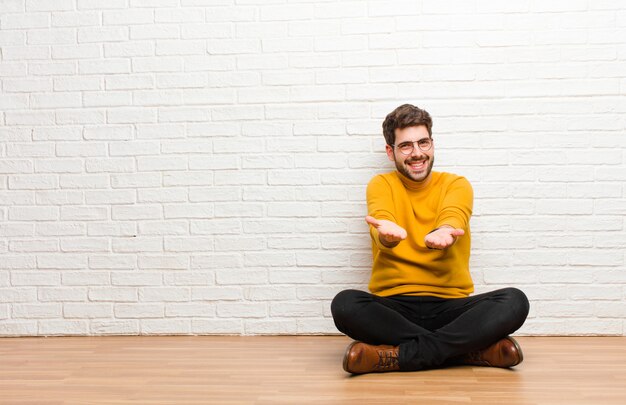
[(457, 205), (379, 205)]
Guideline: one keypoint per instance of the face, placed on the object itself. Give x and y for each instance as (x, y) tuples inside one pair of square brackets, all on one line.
[(418, 164)]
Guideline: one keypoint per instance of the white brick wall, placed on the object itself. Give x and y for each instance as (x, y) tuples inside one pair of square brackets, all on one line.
[(199, 166)]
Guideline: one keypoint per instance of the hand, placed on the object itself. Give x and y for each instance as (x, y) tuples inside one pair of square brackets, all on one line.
[(389, 232), (443, 237)]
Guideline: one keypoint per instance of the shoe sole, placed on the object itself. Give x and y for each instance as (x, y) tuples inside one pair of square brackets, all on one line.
[(345, 357), (519, 350)]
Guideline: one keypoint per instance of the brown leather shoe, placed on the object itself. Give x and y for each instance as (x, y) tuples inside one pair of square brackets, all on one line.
[(362, 358), (504, 353)]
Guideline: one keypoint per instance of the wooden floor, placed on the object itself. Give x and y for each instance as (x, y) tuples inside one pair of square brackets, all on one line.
[(293, 370)]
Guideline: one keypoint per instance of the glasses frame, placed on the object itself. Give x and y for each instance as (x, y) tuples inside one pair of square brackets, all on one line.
[(418, 146)]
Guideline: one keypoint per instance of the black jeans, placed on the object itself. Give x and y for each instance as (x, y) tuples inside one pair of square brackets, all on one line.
[(431, 332)]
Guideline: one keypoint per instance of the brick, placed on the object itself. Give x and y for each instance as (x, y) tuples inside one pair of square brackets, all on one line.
[(187, 179), (164, 228), (294, 277), (139, 311), (190, 279), (82, 181), (53, 36), (155, 31), (17, 198), (241, 310), (33, 182), (217, 326), (112, 229), (204, 30), (56, 197), (191, 147), (52, 68), (138, 279), (264, 95), (189, 310), (83, 213), (184, 114), (314, 326), (27, 85), (150, 163), (24, 21), (128, 17), (41, 213), (216, 294), (234, 79), (180, 47), (324, 259), (241, 276), (59, 229), (14, 101), (75, 19), (295, 308), (164, 294), (21, 53), (84, 278), (196, 210), (171, 194), (18, 295), (114, 327), (204, 63), (266, 193), (90, 245), (32, 278), (181, 15), (19, 328), (87, 311), (188, 244), (271, 326), (62, 294), (81, 116), (15, 166), (49, 5), (114, 294), (239, 177), (102, 34), (62, 327), (215, 227)]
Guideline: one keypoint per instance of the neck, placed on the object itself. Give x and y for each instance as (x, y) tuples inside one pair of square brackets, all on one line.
[(413, 184)]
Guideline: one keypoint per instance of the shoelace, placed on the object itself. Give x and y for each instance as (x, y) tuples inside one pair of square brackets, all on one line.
[(475, 358), (387, 359)]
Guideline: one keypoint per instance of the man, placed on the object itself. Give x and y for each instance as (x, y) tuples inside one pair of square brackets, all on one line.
[(419, 314)]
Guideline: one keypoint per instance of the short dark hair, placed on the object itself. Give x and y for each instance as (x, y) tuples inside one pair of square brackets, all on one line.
[(407, 115)]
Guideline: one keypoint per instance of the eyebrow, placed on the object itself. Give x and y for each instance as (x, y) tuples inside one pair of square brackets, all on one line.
[(419, 140)]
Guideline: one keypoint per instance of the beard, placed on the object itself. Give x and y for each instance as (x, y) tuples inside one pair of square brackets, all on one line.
[(420, 175)]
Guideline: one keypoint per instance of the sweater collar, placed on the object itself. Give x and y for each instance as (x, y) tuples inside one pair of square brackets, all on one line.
[(415, 185)]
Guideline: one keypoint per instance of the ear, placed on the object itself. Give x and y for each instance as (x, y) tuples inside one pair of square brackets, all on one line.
[(389, 150)]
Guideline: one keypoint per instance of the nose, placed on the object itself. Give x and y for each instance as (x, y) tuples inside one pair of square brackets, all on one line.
[(416, 152)]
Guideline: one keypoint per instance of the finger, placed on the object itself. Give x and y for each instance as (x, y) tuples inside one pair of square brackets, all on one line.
[(400, 235), (403, 234), (372, 221), (457, 232)]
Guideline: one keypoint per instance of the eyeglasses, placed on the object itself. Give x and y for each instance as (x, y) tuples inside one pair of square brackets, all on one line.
[(406, 148)]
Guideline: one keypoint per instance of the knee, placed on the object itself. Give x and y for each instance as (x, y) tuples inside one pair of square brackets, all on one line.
[(518, 302), (343, 305)]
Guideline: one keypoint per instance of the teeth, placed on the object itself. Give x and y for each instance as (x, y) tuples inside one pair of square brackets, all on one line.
[(417, 165)]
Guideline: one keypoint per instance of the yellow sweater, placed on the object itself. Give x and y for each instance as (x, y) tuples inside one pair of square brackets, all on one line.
[(410, 268)]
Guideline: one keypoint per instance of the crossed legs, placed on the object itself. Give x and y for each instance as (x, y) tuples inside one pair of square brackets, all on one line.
[(430, 332)]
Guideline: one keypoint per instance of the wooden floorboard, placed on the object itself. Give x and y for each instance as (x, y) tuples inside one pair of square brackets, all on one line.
[(293, 370)]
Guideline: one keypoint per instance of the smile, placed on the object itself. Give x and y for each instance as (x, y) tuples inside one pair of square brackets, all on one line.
[(417, 166)]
